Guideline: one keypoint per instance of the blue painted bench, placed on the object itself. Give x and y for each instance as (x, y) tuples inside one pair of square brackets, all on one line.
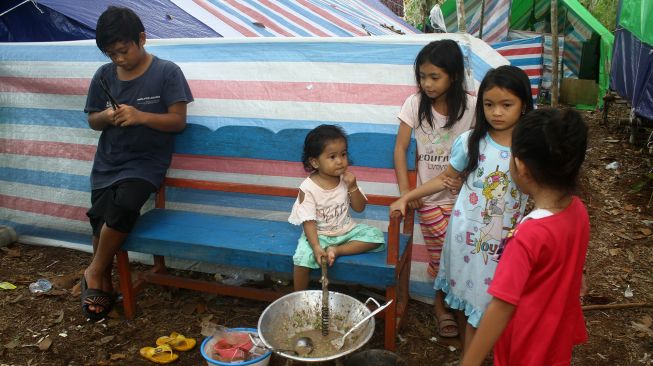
[(253, 242)]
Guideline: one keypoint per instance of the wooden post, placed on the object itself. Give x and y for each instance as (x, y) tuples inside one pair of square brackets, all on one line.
[(480, 30), (554, 53), (460, 12)]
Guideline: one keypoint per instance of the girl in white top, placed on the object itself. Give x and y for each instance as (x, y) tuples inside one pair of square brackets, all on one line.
[(438, 113), (322, 206)]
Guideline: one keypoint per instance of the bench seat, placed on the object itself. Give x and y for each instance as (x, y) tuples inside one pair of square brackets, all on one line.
[(258, 244)]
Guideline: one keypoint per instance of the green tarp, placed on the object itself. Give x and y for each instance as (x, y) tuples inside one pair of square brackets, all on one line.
[(581, 25), (637, 17)]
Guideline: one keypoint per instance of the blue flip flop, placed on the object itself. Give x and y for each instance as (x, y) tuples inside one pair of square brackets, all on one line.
[(95, 297)]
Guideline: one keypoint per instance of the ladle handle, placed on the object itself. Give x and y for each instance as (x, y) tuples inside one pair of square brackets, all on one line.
[(367, 317), (325, 299)]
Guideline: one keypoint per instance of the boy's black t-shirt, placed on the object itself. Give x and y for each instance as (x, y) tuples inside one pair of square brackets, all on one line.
[(136, 151)]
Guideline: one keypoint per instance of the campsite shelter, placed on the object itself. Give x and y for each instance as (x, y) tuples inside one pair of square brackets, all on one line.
[(632, 62), (278, 83), (585, 44), (62, 20)]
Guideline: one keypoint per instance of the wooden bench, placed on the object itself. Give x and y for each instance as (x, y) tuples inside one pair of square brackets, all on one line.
[(256, 243)]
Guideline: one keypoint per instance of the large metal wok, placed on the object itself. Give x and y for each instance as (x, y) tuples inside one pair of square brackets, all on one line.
[(301, 311)]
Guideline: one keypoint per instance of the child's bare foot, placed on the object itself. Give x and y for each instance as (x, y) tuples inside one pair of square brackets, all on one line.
[(332, 254)]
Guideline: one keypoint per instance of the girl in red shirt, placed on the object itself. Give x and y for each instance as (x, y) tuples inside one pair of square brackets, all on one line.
[(535, 315)]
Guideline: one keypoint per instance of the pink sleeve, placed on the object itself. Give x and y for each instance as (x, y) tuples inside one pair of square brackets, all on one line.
[(408, 113)]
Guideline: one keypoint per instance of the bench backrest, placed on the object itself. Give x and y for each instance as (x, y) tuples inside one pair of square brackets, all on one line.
[(255, 160)]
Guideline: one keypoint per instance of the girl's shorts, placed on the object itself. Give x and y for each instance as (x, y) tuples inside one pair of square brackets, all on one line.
[(361, 232)]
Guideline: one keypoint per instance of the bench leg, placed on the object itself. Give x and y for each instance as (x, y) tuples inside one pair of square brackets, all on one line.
[(128, 293), (390, 323)]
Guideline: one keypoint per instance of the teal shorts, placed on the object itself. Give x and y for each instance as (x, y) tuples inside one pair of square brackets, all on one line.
[(304, 254)]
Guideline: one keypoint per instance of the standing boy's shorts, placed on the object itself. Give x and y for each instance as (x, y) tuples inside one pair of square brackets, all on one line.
[(118, 205), (304, 256)]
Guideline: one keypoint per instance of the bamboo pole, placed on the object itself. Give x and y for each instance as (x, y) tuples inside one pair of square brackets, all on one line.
[(460, 12), (555, 53), (480, 30)]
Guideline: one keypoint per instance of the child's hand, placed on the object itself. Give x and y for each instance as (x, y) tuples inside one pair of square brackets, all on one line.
[(453, 184), (350, 180), (399, 205), (319, 253), (126, 115), (414, 204)]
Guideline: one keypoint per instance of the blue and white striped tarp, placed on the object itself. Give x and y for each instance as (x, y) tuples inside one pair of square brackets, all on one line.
[(47, 148)]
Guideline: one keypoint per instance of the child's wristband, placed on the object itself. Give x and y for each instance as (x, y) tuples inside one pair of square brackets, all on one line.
[(353, 190)]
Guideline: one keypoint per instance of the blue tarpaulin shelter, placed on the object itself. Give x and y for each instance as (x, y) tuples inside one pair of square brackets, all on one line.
[(632, 61)]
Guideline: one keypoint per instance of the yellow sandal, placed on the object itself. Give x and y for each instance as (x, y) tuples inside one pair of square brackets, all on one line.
[(161, 355), (177, 342)]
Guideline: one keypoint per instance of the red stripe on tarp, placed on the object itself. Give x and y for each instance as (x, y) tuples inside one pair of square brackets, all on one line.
[(328, 16), (277, 168), (536, 51), (47, 148), (242, 30), (268, 23), (67, 86), (533, 72), (307, 26), (43, 207), (348, 93)]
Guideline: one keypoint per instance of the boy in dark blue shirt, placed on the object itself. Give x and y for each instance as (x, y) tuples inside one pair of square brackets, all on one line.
[(135, 147)]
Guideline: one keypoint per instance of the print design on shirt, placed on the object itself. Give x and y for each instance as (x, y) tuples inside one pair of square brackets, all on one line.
[(435, 153), (328, 217), (490, 233)]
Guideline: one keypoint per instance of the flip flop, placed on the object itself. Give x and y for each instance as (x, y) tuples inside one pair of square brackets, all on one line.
[(161, 355), (177, 342), (445, 321), (95, 297)]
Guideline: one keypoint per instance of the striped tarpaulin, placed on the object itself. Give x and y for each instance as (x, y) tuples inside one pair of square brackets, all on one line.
[(296, 18), (496, 19), (525, 53), (47, 148)]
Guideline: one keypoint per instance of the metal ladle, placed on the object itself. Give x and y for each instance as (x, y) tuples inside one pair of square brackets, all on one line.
[(339, 342), (303, 346)]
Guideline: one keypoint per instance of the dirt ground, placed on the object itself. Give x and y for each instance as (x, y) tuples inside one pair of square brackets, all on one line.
[(49, 329)]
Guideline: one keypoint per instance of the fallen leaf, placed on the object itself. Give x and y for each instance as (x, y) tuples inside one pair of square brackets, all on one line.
[(200, 308), (45, 344), (76, 290), (65, 281), (642, 328), (13, 344), (629, 207), (614, 251), (58, 317), (117, 356), (57, 292), (149, 302), (105, 340), (16, 299), (646, 231), (12, 252), (647, 320), (188, 308), (624, 236)]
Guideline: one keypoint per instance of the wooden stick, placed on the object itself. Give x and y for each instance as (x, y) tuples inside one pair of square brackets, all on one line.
[(618, 306)]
